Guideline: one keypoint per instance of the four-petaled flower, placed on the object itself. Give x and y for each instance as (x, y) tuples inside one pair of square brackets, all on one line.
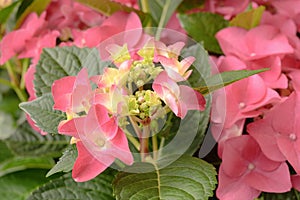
[(99, 141)]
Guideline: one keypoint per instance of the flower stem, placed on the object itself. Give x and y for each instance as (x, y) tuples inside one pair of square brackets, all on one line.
[(15, 83), (144, 140), (134, 141), (25, 66), (155, 147), (161, 145)]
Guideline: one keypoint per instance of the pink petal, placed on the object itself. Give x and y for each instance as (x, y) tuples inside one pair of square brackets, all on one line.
[(296, 181), (234, 188), (96, 116), (290, 149), (86, 166), (263, 133), (232, 41), (274, 181), (121, 149), (61, 90), (234, 165), (191, 98), (72, 127), (29, 77)]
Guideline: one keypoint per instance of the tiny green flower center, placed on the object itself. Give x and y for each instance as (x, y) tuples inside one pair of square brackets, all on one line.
[(144, 103), (142, 72)]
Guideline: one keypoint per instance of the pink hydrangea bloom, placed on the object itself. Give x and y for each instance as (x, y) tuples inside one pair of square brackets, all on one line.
[(179, 98), (287, 26), (259, 42), (278, 132), (99, 142), (245, 171), (29, 39), (227, 8)]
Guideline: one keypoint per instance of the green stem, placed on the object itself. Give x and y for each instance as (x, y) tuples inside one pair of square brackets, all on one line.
[(161, 145), (5, 82), (162, 20), (132, 139), (135, 126), (145, 6), (144, 139), (14, 83), (11, 73), (155, 147), (25, 66)]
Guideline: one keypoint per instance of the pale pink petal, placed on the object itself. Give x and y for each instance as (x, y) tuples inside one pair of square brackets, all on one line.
[(120, 148), (191, 98), (96, 116)]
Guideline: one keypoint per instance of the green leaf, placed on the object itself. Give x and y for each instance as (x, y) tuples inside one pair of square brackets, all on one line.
[(7, 125), (27, 142), (202, 27), (66, 188), (19, 185), (291, 195), (5, 152), (6, 12), (107, 7), (186, 178), (161, 11), (188, 5), (42, 113), (225, 78), (248, 19), (59, 62), (66, 162), (10, 163), (36, 6), (14, 164)]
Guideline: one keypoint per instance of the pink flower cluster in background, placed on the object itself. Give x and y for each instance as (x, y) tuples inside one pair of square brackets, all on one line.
[(257, 132)]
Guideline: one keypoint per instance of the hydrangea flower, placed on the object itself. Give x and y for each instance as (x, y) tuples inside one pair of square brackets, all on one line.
[(97, 118)]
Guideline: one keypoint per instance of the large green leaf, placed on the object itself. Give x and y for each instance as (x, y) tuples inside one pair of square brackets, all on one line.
[(202, 27), (7, 125), (42, 113), (27, 142), (66, 161), (186, 178), (248, 19), (58, 62), (10, 163), (18, 186), (188, 5), (65, 187), (225, 78), (107, 7), (161, 11), (14, 164)]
